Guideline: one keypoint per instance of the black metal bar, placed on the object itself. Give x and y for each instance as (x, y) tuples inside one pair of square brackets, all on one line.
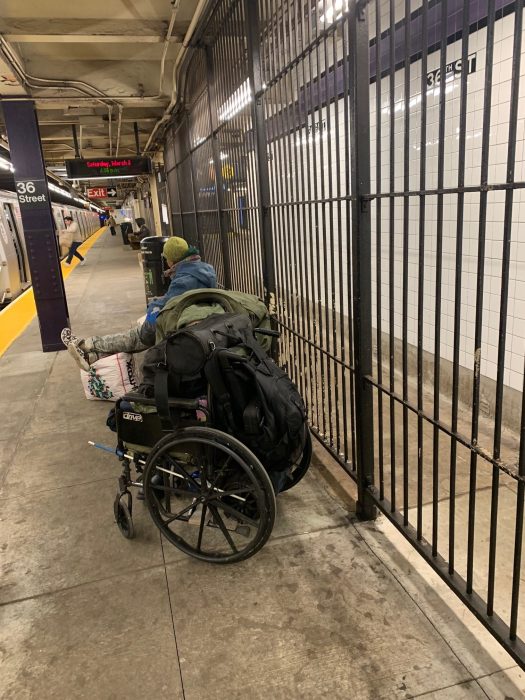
[(288, 219), (303, 263), (137, 141), (457, 290), (485, 143), (75, 140), (337, 324), (507, 228), (313, 23), (327, 229), (361, 254), (195, 199), (421, 272), (320, 222), (518, 535), (439, 268), (254, 70), (391, 270), (379, 320), (347, 97), (219, 182), (404, 313)]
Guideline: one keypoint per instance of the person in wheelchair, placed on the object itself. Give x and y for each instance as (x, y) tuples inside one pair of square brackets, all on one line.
[(187, 272)]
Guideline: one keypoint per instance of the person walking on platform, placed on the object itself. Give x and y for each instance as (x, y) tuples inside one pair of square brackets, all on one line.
[(186, 270), (76, 240), (112, 223)]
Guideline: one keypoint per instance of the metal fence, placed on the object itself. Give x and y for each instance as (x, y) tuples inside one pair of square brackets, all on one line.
[(360, 165)]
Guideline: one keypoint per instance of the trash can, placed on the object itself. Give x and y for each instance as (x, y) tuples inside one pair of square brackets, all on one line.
[(153, 266), (126, 228)]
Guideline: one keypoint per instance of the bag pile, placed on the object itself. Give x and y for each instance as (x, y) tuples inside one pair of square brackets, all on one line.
[(110, 377), (252, 398)]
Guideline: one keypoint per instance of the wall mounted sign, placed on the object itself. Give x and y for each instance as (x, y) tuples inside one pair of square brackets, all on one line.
[(32, 194), (453, 70), (97, 192), (91, 169)]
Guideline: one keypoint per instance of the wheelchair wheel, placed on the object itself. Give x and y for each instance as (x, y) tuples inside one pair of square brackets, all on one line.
[(209, 495), (123, 517), (302, 465)]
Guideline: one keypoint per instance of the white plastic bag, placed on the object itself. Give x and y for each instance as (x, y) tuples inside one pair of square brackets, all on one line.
[(110, 377)]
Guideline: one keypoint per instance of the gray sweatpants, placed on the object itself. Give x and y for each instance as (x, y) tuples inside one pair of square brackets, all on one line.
[(139, 338)]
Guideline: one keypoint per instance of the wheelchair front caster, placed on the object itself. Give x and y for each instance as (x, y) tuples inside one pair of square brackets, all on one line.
[(123, 517)]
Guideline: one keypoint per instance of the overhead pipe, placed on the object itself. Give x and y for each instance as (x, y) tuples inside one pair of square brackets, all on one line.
[(29, 80), (174, 96), (175, 10)]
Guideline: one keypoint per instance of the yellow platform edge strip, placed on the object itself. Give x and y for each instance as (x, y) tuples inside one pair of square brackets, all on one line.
[(17, 316)]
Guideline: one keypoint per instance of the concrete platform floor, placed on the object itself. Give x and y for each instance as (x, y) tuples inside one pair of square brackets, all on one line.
[(330, 608)]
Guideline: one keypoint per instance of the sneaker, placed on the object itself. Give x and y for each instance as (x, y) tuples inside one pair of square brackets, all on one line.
[(82, 262), (72, 344)]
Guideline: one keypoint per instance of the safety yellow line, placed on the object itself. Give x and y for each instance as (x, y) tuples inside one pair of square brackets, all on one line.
[(17, 315)]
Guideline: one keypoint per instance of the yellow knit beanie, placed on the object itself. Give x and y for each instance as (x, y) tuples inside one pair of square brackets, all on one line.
[(175, 249)]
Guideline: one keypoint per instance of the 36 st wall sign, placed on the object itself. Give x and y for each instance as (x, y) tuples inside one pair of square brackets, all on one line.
[(84, 169)]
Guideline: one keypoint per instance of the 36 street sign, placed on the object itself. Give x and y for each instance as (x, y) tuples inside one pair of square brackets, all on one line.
[(32, 194), (97, 192)]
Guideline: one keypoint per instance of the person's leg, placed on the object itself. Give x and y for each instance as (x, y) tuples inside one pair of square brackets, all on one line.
[(129, 341), (70, 254), (76, 253), (85, 351)]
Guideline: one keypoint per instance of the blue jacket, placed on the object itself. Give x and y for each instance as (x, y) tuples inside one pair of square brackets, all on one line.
[(193, 274)]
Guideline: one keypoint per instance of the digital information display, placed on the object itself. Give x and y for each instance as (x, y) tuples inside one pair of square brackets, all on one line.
[(81, 169)]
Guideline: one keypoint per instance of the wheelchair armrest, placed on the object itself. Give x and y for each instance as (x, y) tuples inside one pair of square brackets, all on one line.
[(186, 404)]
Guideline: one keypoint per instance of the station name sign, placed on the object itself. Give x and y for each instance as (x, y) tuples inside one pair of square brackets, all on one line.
[(32, 194), (107, 167)]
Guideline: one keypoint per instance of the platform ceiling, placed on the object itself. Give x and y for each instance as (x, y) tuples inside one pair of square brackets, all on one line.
[(114, 49)]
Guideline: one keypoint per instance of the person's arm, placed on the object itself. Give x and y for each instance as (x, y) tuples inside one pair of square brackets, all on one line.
[(177, 287)]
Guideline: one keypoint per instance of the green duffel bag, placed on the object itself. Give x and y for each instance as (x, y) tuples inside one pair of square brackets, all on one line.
[(198, 304)]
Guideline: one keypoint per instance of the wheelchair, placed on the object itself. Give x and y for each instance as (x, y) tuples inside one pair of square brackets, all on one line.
[(208, 494)]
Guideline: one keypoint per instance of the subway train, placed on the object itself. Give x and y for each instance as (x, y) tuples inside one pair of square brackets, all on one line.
[(14, 267)]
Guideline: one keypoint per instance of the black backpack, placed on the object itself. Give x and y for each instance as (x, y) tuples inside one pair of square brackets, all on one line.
[(257, 402), (181, 356), (252, 398)]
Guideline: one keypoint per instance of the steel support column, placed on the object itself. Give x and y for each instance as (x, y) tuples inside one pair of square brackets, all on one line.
[(37, 218), (253, 33), (361, 254)]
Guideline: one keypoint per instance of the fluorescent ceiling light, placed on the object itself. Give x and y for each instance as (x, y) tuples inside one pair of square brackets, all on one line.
[(6, 165)]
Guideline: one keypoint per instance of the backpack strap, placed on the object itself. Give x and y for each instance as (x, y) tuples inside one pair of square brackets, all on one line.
[(161, 397), (221, 395)]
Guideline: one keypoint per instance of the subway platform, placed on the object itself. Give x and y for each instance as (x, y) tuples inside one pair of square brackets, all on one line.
[(329, 608)]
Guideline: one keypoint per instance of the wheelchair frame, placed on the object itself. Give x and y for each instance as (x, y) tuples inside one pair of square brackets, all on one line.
[(221, 485)]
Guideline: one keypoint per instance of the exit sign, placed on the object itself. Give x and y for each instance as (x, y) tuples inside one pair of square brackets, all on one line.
[(97, 192)]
